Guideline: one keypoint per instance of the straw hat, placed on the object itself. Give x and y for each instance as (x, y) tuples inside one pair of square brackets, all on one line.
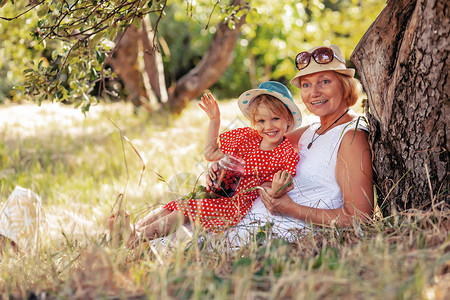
[(335, 65), (272, 88), (20, 218)]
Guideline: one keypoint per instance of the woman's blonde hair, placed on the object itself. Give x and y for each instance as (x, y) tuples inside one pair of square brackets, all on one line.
[(274, 104), (352, 88)]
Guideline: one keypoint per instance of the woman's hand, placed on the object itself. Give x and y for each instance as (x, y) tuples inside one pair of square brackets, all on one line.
[(209, 106), (354, 176), (282, 206)]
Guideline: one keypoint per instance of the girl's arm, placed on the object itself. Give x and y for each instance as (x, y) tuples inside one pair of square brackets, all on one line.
[(211, 108), (354, 176)]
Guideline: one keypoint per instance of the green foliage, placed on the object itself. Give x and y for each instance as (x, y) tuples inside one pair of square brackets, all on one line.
[(78, 35), (63, 46), (183, 40), (273, 34), (186, 31), (328, 256), (276, 31), (17, 48)]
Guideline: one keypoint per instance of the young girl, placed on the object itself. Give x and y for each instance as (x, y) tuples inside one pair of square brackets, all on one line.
[(267, 153)]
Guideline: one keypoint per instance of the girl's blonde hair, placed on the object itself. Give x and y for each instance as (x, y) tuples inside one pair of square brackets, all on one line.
[(274, 104)]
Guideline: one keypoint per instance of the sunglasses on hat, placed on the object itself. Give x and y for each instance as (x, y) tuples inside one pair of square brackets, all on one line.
[(322, 55)]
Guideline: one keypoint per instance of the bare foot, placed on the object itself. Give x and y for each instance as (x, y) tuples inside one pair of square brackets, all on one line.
[(119, 226)]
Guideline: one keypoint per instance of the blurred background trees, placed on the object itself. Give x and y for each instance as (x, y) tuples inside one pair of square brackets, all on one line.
[(164, 52)]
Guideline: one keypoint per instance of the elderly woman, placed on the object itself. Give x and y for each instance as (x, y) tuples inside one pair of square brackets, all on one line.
[(333, 183)]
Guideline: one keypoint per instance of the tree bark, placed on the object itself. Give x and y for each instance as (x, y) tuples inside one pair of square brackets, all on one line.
[(125, 64), (213, 64), (153, 62), (403, 63)]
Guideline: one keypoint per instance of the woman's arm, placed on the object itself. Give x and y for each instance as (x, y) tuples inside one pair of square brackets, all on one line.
[(354, 176), (294, 136), (211, 108)]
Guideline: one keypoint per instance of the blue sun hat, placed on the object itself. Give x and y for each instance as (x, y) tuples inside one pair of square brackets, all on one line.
[(273, 88)]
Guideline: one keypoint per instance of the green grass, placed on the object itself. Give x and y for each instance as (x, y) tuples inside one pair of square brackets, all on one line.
[(80, 165)]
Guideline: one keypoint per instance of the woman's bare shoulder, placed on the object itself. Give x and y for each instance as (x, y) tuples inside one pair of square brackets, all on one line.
[(354, 140), (294, 135)]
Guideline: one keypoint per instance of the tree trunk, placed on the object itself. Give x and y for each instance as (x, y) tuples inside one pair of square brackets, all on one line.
[(153, 62), (125, 64), (213, 64), (403, 63)]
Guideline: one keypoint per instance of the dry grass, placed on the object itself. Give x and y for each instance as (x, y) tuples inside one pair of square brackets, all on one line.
[(77, 165)]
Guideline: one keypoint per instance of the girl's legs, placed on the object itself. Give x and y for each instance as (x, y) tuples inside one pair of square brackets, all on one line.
[(119, 227), (121, 220), (158, 223), (121, 216), (151, 217), (163, 226)]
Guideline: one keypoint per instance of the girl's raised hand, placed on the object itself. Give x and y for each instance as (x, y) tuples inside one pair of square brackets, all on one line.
[(210, 106)]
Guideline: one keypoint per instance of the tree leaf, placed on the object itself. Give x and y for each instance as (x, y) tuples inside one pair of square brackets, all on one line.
[(96, 38), (100, 56), (42, 11), (54, 54)]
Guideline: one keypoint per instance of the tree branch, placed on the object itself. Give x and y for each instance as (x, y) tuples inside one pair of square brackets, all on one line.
[(21, 14)]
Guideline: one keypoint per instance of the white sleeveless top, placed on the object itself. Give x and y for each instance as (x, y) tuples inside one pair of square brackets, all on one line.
[(315, 183)]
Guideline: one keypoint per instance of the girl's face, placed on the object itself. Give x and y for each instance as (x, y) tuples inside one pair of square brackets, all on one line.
[(270, 126), (322, 93)]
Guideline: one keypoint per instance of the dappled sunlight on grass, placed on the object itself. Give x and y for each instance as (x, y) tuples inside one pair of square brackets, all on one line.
[(81, 170), (74, 221)]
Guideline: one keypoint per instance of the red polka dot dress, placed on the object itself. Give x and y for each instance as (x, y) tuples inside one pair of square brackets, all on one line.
[(260, 166)]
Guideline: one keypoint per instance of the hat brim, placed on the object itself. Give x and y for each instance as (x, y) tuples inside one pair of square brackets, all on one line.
[(337, 65), (246, 98), (296, 80)]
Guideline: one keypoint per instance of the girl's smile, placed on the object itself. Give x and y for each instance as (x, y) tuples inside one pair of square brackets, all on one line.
[(270, 126)]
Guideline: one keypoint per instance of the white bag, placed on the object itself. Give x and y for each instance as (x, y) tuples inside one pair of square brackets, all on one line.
[(20, 218)]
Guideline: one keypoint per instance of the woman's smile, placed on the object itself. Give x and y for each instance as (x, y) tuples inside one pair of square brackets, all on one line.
[(318, 102)]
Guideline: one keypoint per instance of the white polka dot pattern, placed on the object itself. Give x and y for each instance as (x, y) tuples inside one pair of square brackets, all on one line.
[(260, 166)]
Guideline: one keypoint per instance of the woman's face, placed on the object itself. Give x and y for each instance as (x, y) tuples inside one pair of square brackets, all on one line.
[(322, 93)]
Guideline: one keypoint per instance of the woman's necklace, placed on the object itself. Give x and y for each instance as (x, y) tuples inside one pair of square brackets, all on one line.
[(314, 135)]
